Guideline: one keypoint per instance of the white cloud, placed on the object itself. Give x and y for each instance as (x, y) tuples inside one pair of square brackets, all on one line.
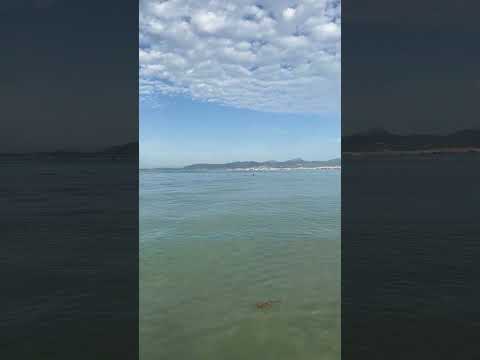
[(268, 55), (208, 21), (288, 13)]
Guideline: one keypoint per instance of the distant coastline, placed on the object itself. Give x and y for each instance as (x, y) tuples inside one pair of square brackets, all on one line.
[(379, 142), (127, 151), (286, 168), (272, 165)]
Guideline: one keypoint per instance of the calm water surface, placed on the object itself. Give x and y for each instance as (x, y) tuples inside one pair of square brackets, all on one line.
[(410, 250), (214, 243), (69, 259)]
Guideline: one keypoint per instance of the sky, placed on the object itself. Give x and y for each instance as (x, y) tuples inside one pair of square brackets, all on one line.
[(410, 66), (236, 80), (70, 78)]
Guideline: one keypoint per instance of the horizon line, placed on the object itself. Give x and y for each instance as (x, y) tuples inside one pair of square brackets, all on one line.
[(233, 162)]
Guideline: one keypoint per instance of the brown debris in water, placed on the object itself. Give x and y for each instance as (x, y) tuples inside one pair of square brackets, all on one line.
[(266, 304)]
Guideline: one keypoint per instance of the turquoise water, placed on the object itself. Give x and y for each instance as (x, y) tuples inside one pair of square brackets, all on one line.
[(214, 243)]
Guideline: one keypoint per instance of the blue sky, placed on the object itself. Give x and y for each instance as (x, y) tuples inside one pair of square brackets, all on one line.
[(238, 80), (182, 131)]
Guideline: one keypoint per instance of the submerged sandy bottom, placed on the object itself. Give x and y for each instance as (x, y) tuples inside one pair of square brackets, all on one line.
[(212, 245)]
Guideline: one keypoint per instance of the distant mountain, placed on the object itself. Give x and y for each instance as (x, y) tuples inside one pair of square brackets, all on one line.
[(379, 140), (124, 151), (294, 163)]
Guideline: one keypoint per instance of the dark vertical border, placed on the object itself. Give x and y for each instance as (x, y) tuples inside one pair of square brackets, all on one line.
[(410, 155), (69, 179)]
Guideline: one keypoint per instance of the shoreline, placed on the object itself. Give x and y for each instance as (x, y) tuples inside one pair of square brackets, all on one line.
[(414, 153), (287, 169)]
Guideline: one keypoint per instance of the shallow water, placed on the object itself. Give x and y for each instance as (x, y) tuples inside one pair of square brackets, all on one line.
[(214, 243)]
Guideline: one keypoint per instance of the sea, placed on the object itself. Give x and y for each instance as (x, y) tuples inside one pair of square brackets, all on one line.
[(410, 250), (69, 259), (214, 243)]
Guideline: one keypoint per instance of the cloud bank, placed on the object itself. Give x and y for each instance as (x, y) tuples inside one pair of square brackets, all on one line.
[(266, 55)]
